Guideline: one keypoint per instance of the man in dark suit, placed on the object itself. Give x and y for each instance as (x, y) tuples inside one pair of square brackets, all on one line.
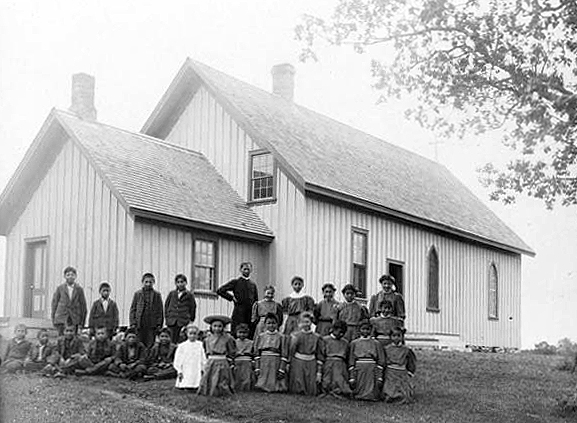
[(69, 303), (179, 308), (244, 295), (146, 311)]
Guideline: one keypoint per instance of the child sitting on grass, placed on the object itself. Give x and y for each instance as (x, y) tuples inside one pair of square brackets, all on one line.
[(99, 354), (261, 308), (295, 304), (305, 358), (189, 360), (351, 312), (161, 357), (366, 363), (384, 322), (243, 360), (38, 356), (220, 349), (401, 366), (130, 358), (17, 351), (67, 354), (271, 357), (335, 352)]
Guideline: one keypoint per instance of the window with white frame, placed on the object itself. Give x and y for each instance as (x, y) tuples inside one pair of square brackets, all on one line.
[(205, 265), (493, 292), (261, 177)]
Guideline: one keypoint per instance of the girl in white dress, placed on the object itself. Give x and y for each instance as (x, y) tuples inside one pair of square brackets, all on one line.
[(189, 360)]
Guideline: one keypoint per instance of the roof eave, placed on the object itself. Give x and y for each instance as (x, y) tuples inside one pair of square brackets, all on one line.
[(209, 227), (352, 200)]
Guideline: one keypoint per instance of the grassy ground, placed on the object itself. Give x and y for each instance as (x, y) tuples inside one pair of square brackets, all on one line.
[(450, 387)]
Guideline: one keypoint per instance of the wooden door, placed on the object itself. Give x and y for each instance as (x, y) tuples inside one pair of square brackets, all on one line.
[(35, 283), (396, 271)]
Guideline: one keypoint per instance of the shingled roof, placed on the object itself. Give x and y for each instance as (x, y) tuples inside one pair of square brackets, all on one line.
[(330, 158), (161, 181)]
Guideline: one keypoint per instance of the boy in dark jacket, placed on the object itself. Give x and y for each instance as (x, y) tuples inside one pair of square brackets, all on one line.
[(179, 308), (104, 312), (68, 303), (67, 355), (130, 358), (161, 357), (146, 311), (17, 351), (100, 354), (38, 356)]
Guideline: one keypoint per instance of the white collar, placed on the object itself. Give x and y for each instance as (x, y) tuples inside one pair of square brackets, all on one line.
[(296, 294)]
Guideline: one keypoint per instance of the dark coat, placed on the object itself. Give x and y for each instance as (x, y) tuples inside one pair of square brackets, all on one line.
[(161, 353), (17, 350), (64, 307), (98, 317), (99, 350), (137, 309), (245, 293), (122, 354), (65, 349), (180, 311)]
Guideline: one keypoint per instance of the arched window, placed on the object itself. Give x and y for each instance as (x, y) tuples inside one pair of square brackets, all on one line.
[(493, 292), (433, 280)]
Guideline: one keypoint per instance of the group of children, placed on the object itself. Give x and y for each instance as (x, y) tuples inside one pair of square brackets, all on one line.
[(349, 354)]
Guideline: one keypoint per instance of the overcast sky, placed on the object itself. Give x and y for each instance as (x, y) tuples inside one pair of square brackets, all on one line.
[(134, 49)]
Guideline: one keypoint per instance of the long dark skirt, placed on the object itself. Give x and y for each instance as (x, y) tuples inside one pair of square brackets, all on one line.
[(336, 377), (267, 379), (398, 385), (303, 377), (243, 374), (366, 375), (217, 380)]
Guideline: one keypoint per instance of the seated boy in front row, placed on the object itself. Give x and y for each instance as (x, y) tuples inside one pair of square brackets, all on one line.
[(130, 358), (17, 351), (99, 356), (67, 354), (161, 357), (39, 354)]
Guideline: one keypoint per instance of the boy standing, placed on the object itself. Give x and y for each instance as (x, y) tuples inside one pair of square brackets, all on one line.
[(104, 312), (244, 295), (69, 303), (180, 308), (146, 312)]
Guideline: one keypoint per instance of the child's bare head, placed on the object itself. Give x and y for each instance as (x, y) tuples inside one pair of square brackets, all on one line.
[(180, 282), (70, 275), (297, 283), (269, 292), (365, 328), (396, 334), (148, 281), (104, 289), (349, 292), (339, 329), (305, 320), (20, 331), (192, 332), (164, 336), (69, 331), (328, 290), (42, 336), (271, 322), (130, 337), (242, 331), (386, 307), (101, 333)]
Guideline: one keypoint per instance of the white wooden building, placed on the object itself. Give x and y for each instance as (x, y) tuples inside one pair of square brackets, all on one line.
[(225, 172)]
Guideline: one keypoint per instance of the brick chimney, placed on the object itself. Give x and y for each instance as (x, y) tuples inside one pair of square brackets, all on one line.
[(83, 96), (283, 80)]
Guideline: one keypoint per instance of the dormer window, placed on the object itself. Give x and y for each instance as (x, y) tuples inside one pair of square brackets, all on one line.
[(261, 176)]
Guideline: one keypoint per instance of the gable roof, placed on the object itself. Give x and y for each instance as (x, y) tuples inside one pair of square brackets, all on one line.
[(332, 159), (154, 179)]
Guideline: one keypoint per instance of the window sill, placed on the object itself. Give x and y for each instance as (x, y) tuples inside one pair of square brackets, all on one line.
[(494, 318), (261, 202), (433, 310), (208, 294)]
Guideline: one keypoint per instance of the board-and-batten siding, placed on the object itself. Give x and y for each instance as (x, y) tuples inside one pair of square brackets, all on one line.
[(463, 273), (85, 225), (206, 127), (166, 251)]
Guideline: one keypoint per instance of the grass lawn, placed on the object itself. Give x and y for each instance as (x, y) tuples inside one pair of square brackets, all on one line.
[(450, 387)]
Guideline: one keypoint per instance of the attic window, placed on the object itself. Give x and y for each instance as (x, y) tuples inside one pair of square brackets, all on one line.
[(261, 176)]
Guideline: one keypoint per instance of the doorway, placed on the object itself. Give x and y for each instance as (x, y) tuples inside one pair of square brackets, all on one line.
[(35, 275), (396, 270)]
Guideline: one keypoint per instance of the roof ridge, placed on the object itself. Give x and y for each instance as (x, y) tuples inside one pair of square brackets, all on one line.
[(144, 137), (196, 64)]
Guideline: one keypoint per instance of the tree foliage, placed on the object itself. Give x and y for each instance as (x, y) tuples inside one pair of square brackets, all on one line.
[(475, 66)]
